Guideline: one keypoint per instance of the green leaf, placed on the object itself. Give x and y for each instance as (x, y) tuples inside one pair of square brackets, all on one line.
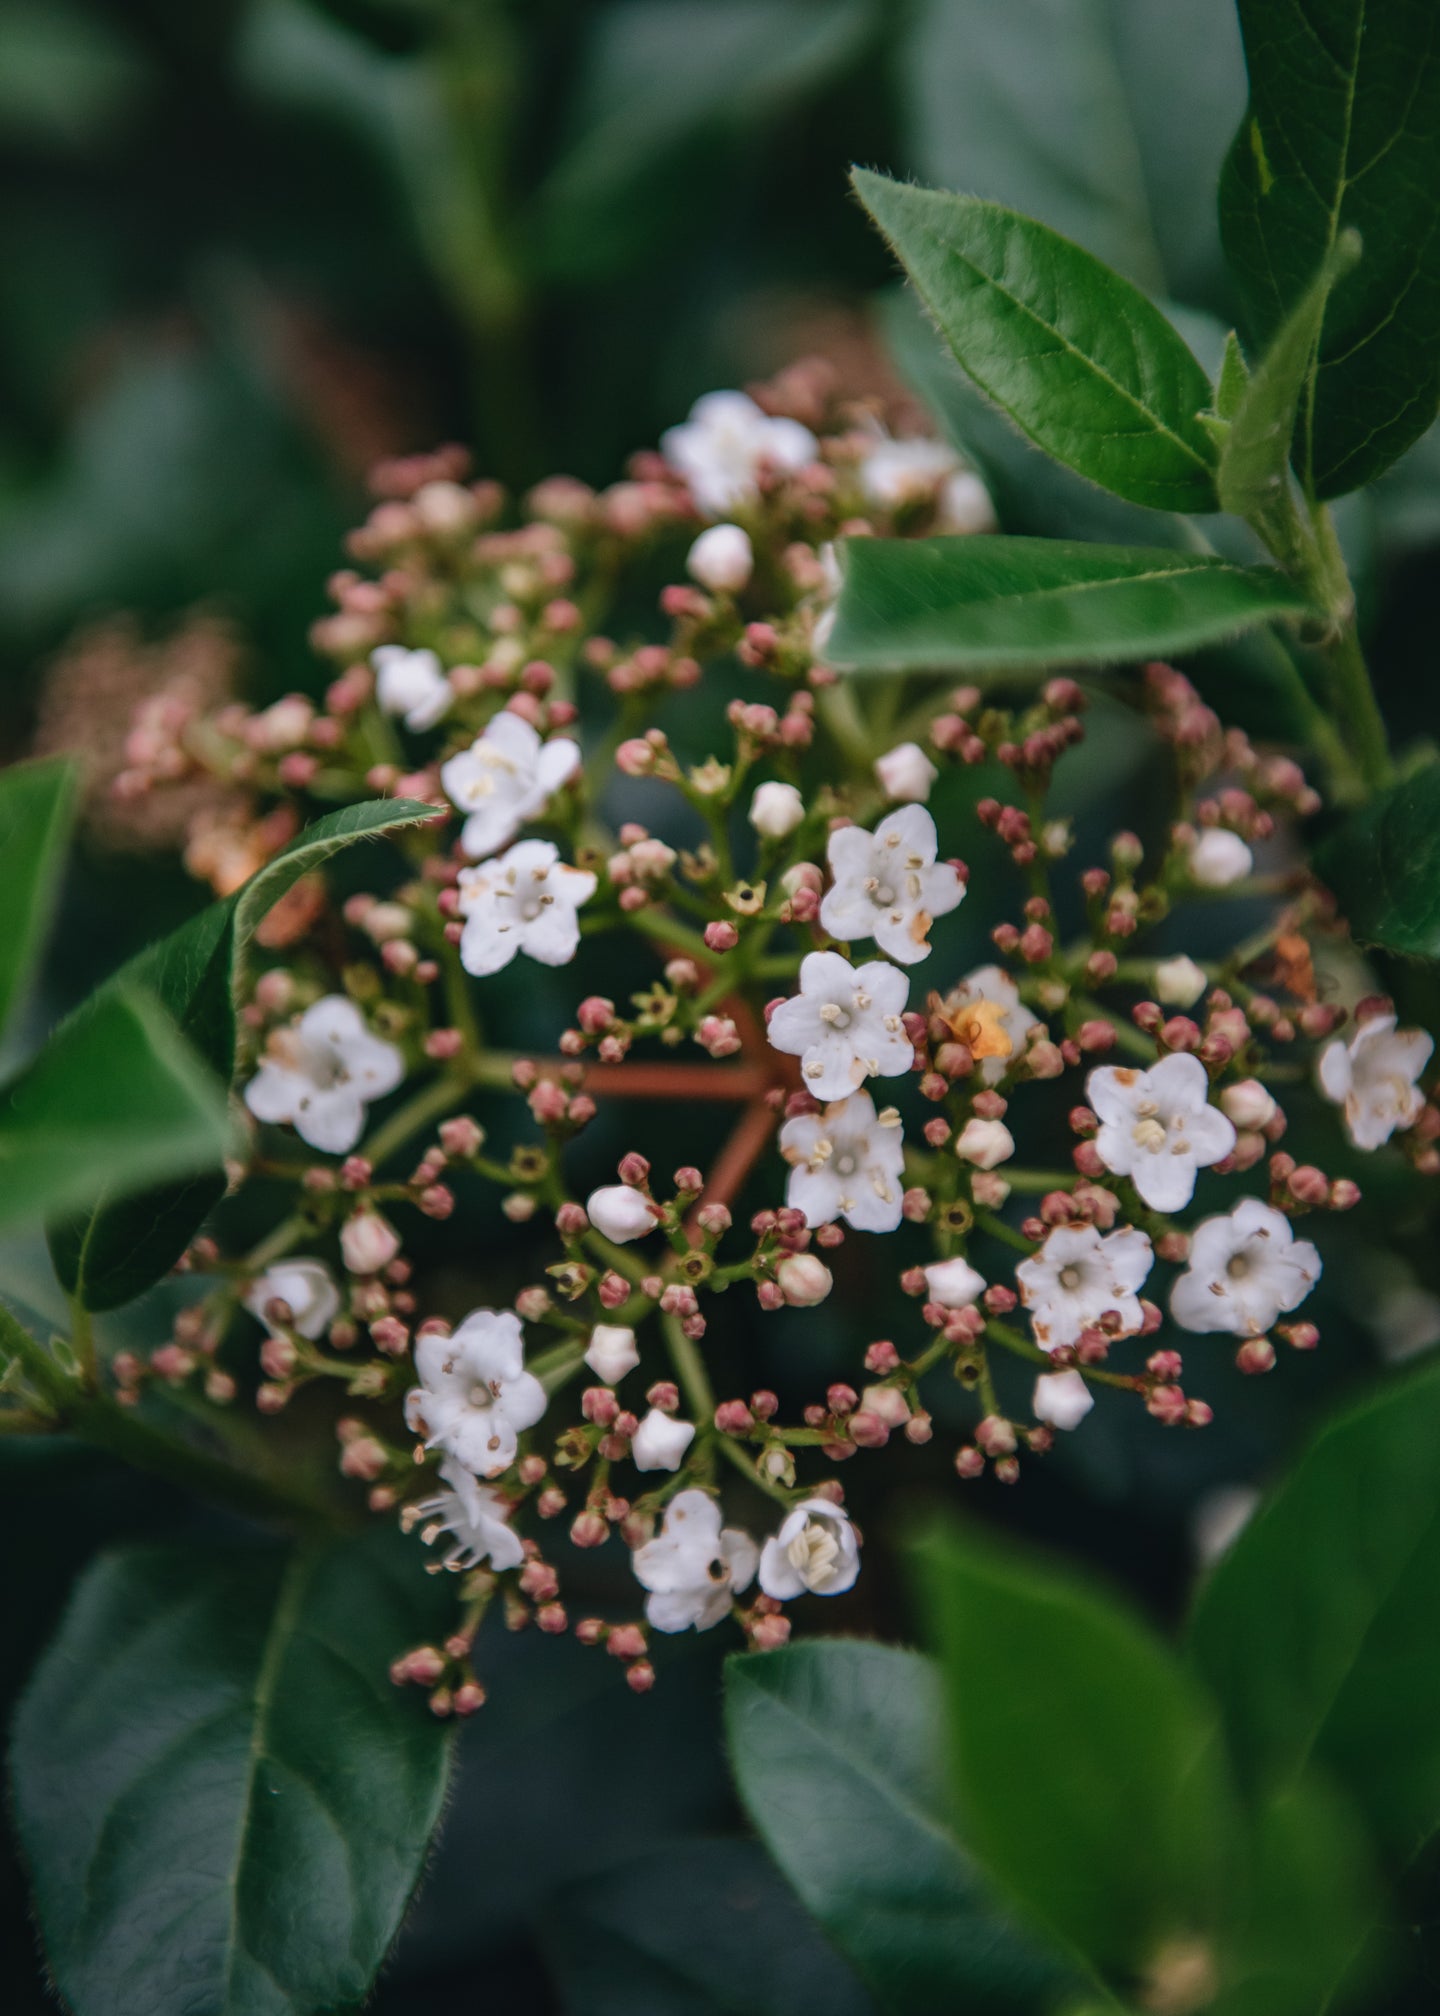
[(1001, 604), (833, 1746), (1086, 1762), (1255, 458), (1383, 864), (116, 1099), (1316, 1631), (223, 1801), (1078, 358), (1343, 131), (115, 1252), (37, 809)]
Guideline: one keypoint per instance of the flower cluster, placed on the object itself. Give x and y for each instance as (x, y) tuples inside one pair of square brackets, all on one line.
[(790, 917)]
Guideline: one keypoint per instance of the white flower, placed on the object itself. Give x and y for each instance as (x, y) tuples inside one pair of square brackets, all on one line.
[(319, 1075), (1373, 1078), (905, 772), (776, 809), (1061, 1399), (906, 472), (306, 1287), (846, 1163), (888, 885), (1246, 1270), (1179, 983), (1158, 1127), (726, 442), (1219, 858), (954, 1284), (620, 1212), (411, 683), (525, 901), (475, 1517), (611, 1352), (845, 1025), (694, 1566), (998, 1018), (660, 1442), (504, 778), (722, 559), (1077, 1277), (966, 506), (986, 1143), (475, 1395), (815, 1549)]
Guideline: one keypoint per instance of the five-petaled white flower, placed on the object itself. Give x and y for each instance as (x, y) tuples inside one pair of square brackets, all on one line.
[(888, 884), (319, 1074), (954, 1284), (1077, 1278), (816, 1548), (1246, 1270), (475, 1395), (660, 1441), (412, 684), (985, 1012), (905, 772), (475, 1517), (724, 445), (895, 473), (845, 1025), (1158, 1126), (504, 778), (846, 1163), (1061, 1399), (524, 901), (1373, 1077), (307, 1289), (694, 1565)]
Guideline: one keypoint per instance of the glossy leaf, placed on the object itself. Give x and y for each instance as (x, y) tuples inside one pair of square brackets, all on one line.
[(223, 1800), (1383, 864), (1075, 355), (834, 1747), (1086, 1761), (116, 1099), (116, 1252), (37, 808), (1316, 1630), (1001, 604), (1343, 132)]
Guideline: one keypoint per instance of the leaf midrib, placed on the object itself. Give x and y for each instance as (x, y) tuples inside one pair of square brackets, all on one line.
[(1030, 596)]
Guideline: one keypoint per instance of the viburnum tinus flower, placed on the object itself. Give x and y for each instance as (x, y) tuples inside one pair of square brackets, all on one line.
[(694, 1566), (1079, 1277), (475, 1396), (905, 772), (722, 559), (506, 776), (620, 1212), (1246, 1270), (1158, 1127), (660, 1441), (1373, 1077), (474, 1517), (319, 1074), (611, 1352), (846, 1163), (985, 1013), (954, 1284), (411, 684), (523, 901), (1061, 1399), (725, 444), (815, 1550), (888, 884), (1219, 858), (894, 473), (845, 1025), (307, 1289)]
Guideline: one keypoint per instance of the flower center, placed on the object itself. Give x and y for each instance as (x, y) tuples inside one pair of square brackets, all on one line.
[(1149, 1133), (814, 1554), (1070, 1279), (846, 1162), (1238, 1266)]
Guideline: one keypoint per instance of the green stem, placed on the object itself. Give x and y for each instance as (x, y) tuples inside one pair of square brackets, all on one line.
[(689, 1371), (1361, 724)]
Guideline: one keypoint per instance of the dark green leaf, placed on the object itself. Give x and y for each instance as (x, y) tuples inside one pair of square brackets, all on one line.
[(115, 1100), (1343, 132), (999, 604), (1317, 1629), (834, 1749), (37, 807), (1384, 867), (1079, 359), (223, 1800), (1086, 1762), (115, 1253)]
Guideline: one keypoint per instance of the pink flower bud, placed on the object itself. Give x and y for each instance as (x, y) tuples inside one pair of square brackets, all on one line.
[(733, 1417), (368, 1242), (803, 1280), (721, 936), (1256, 1354)]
